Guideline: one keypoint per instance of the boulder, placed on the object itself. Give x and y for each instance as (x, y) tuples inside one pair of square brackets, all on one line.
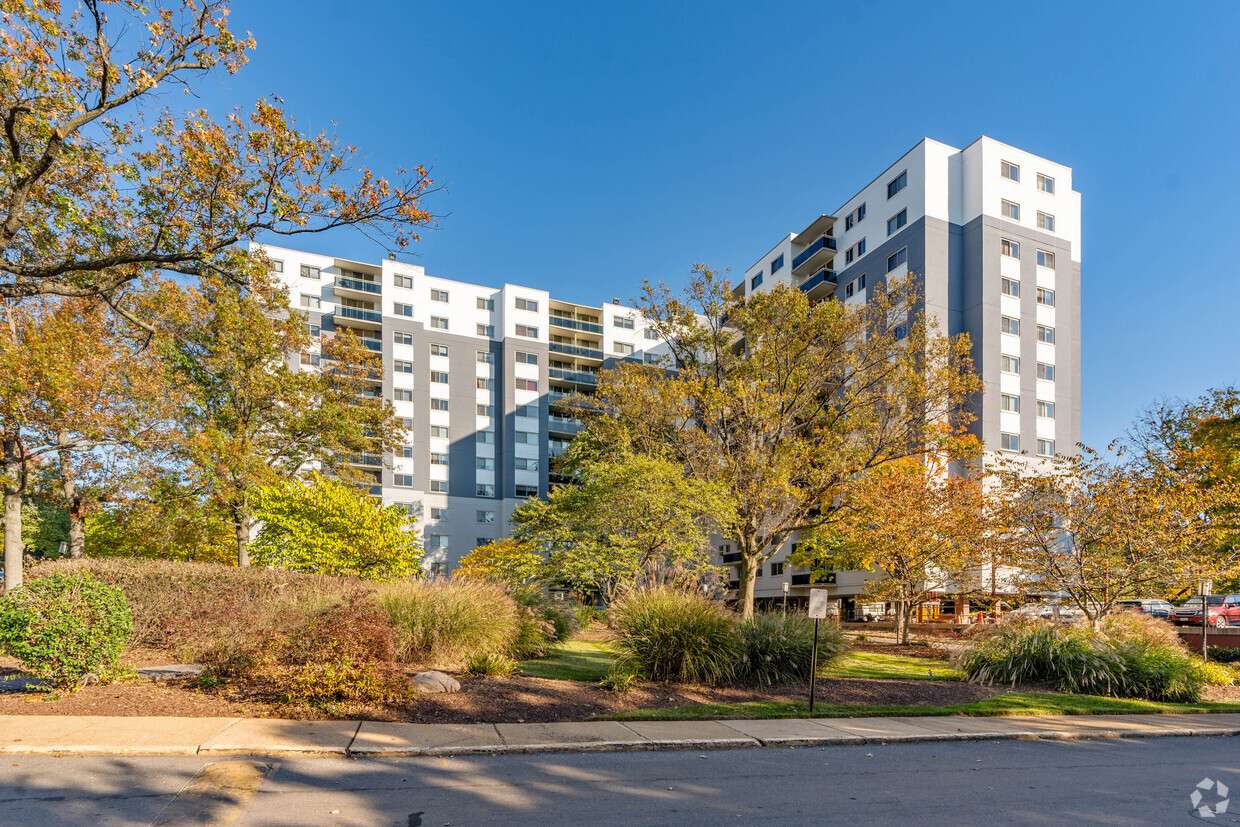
[(436, 682)]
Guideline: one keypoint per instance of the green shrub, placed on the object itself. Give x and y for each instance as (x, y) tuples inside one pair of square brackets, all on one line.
[(667, 635), (1069, 658), (778, 648), (1221, 654), (487, 664), (440, 623), (542, 622), (64, 626), (618, 681)]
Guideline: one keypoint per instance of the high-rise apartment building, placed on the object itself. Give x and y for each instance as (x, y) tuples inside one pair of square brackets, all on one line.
[(992, 235), (472, 372)]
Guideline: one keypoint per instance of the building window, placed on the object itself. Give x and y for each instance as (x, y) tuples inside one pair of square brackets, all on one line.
[(485, 464), (406, 422), (1046, 222), (523, 464), (624, 348), (439, 350), (527, 331), (486, 357), (1009, 364), (1010, 171), (439, 432), (1046, 447), (309, 272), (439, 295), (1010, 287), (485, 516), (650, 334), (1046, 297), (897, 221), (528, 411), (1010, 326), (485, 384), (439, 513), (439, 323), (399, 337), (1010, 210), (1046, 334), (755, 281), (439, 459), (777, 569), (526, 491), (277, 266), (487, 330), (484, 490), (405, 452), (311, 359), (400, 366), (1046, 184), (312, 302), (314, 330), (1046, 372), (525, 437), (403, 281), (1009, 442), (439, 404), (439, 486), (403, 395), (439, 376), (486, 410), (897, 258), (1009, 248), (484, 437), (1046, 259), (399, 309), (1009, 403), (622, 321), (486, 304), (901, 332), (777, 263), (896, 184), (527, 358), (848, 290), (1046, 410), (403, 480), (526, 384), (527, 304), (861, 282), (855, 217)]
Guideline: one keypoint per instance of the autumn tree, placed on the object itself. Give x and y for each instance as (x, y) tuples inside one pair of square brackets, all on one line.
[(1096, 529), (323, 526), (511, 562), (915, 526), (104, 183), (253, 418), (160, 515), (779, 401)]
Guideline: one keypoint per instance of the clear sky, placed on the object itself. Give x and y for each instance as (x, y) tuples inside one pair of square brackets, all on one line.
[(589, 145)]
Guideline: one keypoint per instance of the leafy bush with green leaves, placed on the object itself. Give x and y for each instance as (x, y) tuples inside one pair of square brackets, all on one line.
[(778, 648), (488, 664), (1222, 654), (65, 626), (618, 681), (440, 623), (663, 634)]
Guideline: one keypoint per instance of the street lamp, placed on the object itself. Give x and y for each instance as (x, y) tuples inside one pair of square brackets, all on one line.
[(785, 598)]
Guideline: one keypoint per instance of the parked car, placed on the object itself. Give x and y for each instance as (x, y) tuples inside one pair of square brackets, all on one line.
[(1224, 610), (1048, 611), (1153, 607)]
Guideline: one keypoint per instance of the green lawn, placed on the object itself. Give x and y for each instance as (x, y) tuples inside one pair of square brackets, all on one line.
[(1017, 703), (573, 660), (889, 667)]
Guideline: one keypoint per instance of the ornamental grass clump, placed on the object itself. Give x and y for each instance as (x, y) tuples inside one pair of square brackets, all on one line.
[(440, 623), (663, 634), (777, 648), (65, 626)]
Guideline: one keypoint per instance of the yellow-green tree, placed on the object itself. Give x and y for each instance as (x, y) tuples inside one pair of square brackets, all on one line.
[(507, 561), (323, 526), (779, 401)]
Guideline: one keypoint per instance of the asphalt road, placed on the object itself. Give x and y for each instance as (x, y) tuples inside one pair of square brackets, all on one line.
[(1139, 781)]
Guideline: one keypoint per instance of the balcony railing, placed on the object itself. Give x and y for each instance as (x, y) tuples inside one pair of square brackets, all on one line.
[(358, 284), (360, 314), (573, 376), (802, 579), (564, 424), (825, 242), (572, 350), (823, 275), (732, 557), (366, 459), (573, 324), (376, 490), (374, 344)]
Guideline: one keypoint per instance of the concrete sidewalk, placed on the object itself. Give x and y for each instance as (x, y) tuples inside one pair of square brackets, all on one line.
[(55, 735)]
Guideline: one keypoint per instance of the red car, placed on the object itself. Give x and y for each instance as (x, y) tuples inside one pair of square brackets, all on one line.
[(1224, 610)]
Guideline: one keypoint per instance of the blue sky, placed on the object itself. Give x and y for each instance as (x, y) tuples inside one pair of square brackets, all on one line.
[(587, 145)]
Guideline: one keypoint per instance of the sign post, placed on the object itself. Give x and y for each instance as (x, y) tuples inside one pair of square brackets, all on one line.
[(818, 611)]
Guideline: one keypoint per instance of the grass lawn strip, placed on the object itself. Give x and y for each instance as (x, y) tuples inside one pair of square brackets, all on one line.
[(889, 667), (1016, 703), (573, 660)]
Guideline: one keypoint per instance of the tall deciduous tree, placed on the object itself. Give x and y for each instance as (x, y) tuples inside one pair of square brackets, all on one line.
[(252, 417), (779, 401), (104, 183)]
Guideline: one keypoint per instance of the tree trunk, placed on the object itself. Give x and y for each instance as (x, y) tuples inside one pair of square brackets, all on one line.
[(13, 485), (243, 540), (907, 625), (746, 580), (898, 626), (69, 491)]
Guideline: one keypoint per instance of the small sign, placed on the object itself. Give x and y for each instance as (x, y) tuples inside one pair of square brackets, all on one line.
[(818, 604)]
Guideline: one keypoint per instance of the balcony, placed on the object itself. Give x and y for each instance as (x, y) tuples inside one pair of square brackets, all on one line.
[(580, 376), (815, 255), (375, 490), (802, 579), (821, 284), (732, 557), (572, 350), (564, 424), (374, 344), (366, 459), (346, 285), (573, 324), (360, 317)]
